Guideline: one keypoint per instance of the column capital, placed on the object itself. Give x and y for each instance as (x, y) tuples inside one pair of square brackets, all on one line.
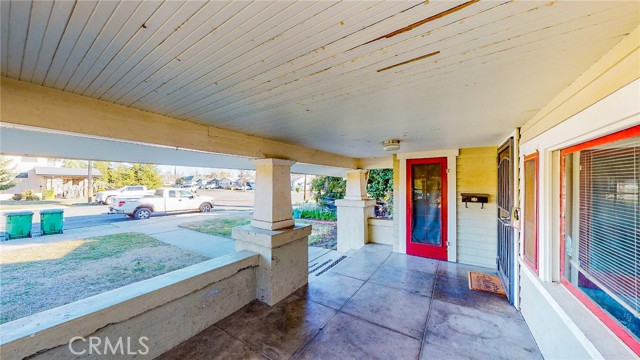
[(357, 184), (272, 162)]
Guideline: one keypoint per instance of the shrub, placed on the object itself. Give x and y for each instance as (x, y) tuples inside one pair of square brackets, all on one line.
[(316, 213), (29, 195), (47, 194), (17, 197)]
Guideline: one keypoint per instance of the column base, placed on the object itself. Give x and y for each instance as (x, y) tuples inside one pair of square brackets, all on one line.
[(276, 225), (283, 266)]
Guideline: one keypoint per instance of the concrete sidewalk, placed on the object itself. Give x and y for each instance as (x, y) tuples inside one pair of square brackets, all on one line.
[(197, 242), (153, 227), (167, 229)]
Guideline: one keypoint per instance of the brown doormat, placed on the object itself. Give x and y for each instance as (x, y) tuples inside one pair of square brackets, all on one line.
[(486, 283)]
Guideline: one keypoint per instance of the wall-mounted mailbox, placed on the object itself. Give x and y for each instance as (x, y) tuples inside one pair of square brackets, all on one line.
[(474, 198)]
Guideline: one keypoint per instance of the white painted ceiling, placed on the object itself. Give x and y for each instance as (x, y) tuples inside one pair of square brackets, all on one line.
[(307, 72)]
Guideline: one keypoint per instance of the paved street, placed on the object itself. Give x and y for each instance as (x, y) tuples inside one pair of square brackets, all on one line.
[(82, 216)]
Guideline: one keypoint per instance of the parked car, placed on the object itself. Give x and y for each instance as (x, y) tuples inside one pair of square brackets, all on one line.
[(136, 191), (162, 201), (193, 188), (211, 185)]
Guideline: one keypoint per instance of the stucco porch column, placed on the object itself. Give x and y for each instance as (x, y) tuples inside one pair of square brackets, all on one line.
[(354, 211), (282, 246)]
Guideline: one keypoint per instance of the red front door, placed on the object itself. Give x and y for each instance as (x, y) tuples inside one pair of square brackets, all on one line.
[(427, 208)]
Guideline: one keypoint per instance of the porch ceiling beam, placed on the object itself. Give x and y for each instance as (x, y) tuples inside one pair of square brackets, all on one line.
[(32, 105)]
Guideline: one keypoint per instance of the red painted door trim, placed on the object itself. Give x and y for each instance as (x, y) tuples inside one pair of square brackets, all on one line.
[(426, 250), (607, 319)]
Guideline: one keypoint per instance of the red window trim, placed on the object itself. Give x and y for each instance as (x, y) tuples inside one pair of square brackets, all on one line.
[(533, 265), (609, 321)]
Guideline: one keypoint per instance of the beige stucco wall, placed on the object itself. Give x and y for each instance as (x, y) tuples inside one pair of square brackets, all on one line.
[(477, 239)]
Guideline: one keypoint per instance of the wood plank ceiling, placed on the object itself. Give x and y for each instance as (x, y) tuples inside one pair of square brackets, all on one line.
[(319, 74)]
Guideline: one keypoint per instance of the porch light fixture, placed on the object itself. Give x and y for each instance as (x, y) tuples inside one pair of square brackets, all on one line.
[(391, 145)]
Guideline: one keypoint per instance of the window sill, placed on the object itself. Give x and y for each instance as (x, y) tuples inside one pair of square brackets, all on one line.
[(594, 335)]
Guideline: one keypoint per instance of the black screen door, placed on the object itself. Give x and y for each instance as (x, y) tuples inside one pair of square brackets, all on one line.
[(505, 204)]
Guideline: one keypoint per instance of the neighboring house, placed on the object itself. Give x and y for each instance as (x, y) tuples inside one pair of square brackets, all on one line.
[(66, 182), (211, 183), (225, 183), (187, 180), (200, 181)]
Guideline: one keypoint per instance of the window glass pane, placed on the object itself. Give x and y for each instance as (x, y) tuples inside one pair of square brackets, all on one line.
[(427, 214), (602, 227), (530, 224), (185, 194)]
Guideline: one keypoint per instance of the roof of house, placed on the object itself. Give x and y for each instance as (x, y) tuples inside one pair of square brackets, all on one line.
[(58, 171)]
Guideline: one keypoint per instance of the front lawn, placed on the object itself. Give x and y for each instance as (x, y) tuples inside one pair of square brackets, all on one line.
[(45, 276), (218, 226), (323, 233)]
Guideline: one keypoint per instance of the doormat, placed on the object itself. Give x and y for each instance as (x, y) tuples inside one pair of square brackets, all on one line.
[(485, 282)]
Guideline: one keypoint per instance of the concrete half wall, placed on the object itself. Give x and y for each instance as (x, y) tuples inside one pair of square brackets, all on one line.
[(381, 231), (160, 312)]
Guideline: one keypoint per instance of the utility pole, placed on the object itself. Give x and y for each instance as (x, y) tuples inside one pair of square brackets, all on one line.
[(304, 195), (90, 182)]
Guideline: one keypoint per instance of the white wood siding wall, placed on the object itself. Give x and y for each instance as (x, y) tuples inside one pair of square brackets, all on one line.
[(477, 238)]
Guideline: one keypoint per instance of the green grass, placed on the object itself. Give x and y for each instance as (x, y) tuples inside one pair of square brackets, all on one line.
[(45, 276), (112, 245), (323, 234), (219, 227)]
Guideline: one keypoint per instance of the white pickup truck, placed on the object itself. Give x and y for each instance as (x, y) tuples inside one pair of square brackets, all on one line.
[(137, 191), (162, 201)]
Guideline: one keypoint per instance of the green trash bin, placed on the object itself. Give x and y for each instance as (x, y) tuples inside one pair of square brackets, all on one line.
[(51, 221), (18, 224)]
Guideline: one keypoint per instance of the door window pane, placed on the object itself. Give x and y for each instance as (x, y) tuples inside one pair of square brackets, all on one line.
[(427, 210)]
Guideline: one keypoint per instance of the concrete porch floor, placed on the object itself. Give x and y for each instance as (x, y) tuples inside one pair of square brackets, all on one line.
[(374, 304)]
